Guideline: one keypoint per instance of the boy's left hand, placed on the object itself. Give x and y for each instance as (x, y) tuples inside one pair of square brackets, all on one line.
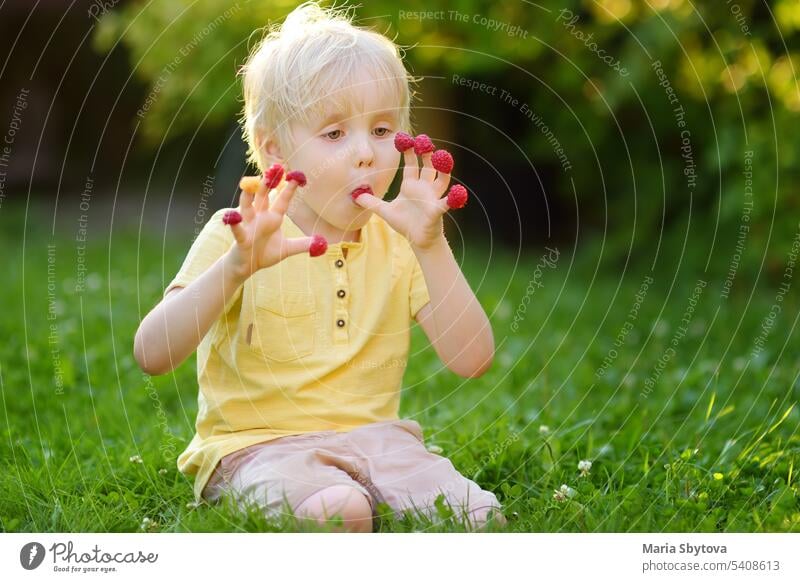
[(417, 211)]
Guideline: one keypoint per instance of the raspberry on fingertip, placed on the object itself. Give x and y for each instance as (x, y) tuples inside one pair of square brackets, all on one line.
[(457, 196), (423, 144), (273, 175), (231, 217), (318, 246), (250, 184), (403, 141), (297, 176), (442, 161)]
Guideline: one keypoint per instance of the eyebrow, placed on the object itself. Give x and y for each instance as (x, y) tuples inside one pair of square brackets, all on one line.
[(331, 118), (340, 115)]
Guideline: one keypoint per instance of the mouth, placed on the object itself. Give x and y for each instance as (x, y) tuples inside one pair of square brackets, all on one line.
[(362, 189)]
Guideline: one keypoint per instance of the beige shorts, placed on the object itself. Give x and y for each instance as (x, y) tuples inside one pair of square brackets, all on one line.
[(387, 461)]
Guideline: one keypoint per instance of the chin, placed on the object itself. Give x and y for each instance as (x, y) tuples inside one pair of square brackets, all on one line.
[(362, 216)]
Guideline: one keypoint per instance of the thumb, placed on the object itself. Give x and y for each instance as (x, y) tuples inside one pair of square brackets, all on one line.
[(234, 219), (239, 233)]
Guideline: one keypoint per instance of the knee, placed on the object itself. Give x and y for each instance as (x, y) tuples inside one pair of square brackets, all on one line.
[(339, 500)]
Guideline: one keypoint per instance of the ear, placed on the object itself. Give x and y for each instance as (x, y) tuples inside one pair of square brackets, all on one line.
[(273, 149), (269, 148)]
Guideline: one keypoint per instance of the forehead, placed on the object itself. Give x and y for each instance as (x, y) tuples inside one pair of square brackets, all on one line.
[(364, 96)]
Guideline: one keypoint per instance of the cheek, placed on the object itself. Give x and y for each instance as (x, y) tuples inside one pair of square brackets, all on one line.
[(309, 161), (388, 157), (390, 163), (327, 160)]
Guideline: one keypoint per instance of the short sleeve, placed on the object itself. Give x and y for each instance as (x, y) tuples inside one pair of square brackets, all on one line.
[(418, 294), (213, 242)]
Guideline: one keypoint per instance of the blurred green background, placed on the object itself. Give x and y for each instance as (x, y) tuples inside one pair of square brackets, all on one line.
[(563, 116), (590, 77)]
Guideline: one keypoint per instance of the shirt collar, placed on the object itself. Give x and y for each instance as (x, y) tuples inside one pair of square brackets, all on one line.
[(291, 230)]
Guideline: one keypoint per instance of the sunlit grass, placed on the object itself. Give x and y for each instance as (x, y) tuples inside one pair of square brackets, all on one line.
[(711, 446)]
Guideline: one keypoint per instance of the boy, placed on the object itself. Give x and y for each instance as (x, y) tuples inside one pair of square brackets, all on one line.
[(298, 405)]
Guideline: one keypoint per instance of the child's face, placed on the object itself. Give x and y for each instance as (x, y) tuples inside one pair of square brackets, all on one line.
[(343, 152)]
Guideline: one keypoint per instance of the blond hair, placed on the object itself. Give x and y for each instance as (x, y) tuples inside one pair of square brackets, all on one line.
[(309, 67)]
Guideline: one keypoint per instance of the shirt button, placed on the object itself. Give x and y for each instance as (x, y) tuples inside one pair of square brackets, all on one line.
[(340, 322), (341, 293), (339, 263)]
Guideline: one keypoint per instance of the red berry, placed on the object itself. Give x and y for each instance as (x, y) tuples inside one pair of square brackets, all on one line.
[(457, 196), (442, 161), (273, 175), (318, 246), (423, 144), (403, 141), (232, 217), (298, 177)]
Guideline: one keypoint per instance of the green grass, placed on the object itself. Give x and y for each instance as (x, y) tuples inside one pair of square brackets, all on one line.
[(712, 447)]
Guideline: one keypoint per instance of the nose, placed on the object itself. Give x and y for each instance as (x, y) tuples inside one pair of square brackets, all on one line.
[(363, 152)]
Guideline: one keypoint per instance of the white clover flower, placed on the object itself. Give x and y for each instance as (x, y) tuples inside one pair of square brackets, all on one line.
[(563, 493), (147, 524), (584, 467), (435, 449), (162, 471), (136, 459), (544, 429)]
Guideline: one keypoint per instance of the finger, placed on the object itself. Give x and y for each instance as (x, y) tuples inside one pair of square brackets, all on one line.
[(246, 205), (261, 202), (411, 165), (441, 183), (239, 233), (428, 171), (300, 245), (372, 203), (281, 204)]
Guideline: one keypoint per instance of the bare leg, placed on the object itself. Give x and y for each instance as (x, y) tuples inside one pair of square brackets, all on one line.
[(480, 516), (343, 500)]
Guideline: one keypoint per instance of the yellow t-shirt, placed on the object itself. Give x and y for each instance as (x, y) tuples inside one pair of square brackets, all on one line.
[(307, 345)]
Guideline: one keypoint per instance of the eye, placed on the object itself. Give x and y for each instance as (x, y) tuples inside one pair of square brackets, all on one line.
[(385, 131), (334, 135)]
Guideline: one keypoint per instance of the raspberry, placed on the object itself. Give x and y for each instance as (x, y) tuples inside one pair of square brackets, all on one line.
[(298, 177), (423, 144), (403, 141), (249, 184), (232, 217), (318, 246), (273, 175), (442, 161), (457, 196)]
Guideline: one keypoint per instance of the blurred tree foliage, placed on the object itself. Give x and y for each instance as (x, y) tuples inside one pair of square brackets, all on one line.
[(732, 66)]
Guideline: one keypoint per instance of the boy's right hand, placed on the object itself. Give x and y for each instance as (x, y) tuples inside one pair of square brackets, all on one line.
[(259, 240)]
